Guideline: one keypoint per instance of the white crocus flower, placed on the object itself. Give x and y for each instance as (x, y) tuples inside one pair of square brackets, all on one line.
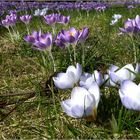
[(107, 80), (98, 78), (39, 12), (87, 79), (68, 79), (117, 16), (114, 21), (116, 75), (125, 73), (130, 95), (83, 103)]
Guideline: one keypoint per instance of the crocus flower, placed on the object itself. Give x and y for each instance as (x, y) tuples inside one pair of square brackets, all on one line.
[(87, 79), (63, 19), (125, 73), (114, 21), (83, 103), (39, 12), (6, 23), (26, 18), (100, 7), (40, 41), (131, 25), (51, 19), (70, 36), (31, 38), (83, 34), (10, 20), (130, 6), (116, 75), (59, 42), (68, 79), (130, 95), (116, 17)]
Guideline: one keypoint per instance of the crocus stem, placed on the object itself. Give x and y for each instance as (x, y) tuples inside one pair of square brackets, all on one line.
[(54, 65), (27, 29), (87, 13), (53, 29), (134, 49), (83, 54), (69, 53), (43, 55), (16, 33), (10, 34), (74, 51), (13, 30)]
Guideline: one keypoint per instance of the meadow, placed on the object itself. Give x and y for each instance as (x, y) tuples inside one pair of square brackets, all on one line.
[(30, 101)]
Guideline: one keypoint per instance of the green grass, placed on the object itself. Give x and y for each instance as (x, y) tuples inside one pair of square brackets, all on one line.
[(37, 112)]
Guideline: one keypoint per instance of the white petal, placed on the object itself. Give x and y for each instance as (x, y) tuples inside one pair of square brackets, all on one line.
[(81, 103), (86, 80), (77, 111), (77, 71), (114, 22), (129, 88), (78, 95), (119, 76), (130, 68), (63, 81), (98, 77), (130, 95), (85, 76), (108, 81), (66, 106), (94, 90), (113, 68), (137, 69)]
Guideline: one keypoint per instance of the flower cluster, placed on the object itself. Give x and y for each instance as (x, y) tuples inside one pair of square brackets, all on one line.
[(84, 98), (40, 41), (100, 7), (131, 25), (56, 18), (85, 94), (10, 20)]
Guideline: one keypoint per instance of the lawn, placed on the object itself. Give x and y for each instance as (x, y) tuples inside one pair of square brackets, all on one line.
[(30, 103)]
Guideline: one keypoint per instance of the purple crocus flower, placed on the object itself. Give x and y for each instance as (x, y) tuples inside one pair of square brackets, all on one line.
[(70, 36), (26, 18), (83, 34), (13, 12), (100, 7), (130, 6), (131, 25), (59, 42), (10, 20), (63, 19), (5, 23), (31, 38), (51, 19), (56, 18), (40, 41)]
